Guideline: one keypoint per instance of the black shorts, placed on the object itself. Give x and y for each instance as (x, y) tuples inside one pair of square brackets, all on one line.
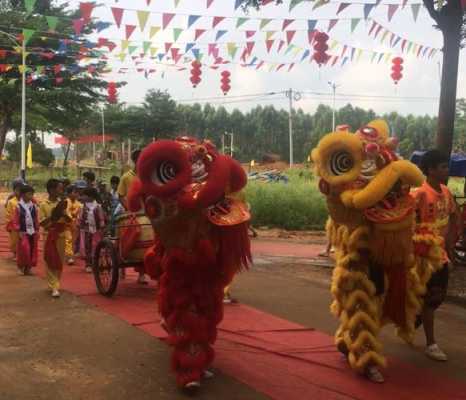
[(439, 279)]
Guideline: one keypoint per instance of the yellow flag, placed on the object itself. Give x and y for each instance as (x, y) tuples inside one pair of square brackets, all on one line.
[(29, 156), (253, 163)]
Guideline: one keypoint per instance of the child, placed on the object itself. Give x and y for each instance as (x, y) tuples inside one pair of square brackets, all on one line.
[(54, 219), (435, 205), (73, 210), (114, 183), (11, 205), (26, 223), (91, 223)]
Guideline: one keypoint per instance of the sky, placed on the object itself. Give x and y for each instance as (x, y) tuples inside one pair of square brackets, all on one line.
[(355, 80)]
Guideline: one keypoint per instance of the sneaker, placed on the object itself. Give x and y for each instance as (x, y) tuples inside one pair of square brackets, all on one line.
[(142, 280), (192, 387), (20, 271), (374, 375), (71, 261), (435, 353), (88, 269), (208, 374), (55, 293)]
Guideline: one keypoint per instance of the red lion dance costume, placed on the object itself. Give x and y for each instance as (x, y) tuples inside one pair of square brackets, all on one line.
[(188, 191)]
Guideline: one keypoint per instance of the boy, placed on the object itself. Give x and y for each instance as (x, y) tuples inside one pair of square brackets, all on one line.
[(91, 222), (73, 209), (435, 205), (114, 183), (26, 223), (127, 179), (54, 220), (11, 205)]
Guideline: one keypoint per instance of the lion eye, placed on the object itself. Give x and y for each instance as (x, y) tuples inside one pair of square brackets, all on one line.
[(164, 173), (341, 163)]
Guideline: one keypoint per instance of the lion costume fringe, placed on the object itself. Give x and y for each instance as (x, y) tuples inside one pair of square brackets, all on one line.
[(383, 261)]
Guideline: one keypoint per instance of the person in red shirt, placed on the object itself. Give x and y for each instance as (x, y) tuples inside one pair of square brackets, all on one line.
[(436, 207)]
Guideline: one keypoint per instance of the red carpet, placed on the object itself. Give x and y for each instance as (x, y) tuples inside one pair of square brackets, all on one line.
[(274, 356)]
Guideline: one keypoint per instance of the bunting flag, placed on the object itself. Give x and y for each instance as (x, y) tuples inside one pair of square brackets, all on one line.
[(129, 29), (78, 25), (153, 31), (192, 19), (143, 17), (219, 35), (86, 9), (290, 36), (27, 34), (287, 23), (250, 34), (332, 24), (280, 46), (354, 23), (166, 19), (311, 24), (198, 33), (29, 5), (216, 21), (209, 3), (269, 44), (177, 3), (117, 15), (264, 23), (342, 6), (168, 46), (176, 33), (124, 45), (189, 46), (415, 9), (367, 10), (294, 3), (232, 49), (52, 22), (241, 21), (392, 8), (269, 35), (320, 3), (238, 4), (146, 47)]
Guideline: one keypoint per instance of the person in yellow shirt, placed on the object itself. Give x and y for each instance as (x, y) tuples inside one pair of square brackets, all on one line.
[(54, 219), (127, 179), (72, 231), (11, 205)]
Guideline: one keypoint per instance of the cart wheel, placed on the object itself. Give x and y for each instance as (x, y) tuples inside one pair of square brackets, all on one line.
[(106, 268)]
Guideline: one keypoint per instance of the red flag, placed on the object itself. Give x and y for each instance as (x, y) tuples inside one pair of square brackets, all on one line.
[(250, 34), (216, 21), (289, 36), (331, 24), (310, 36), (129, 30), (168, 46), (166, 19), (250, 46), (374, 25), (209, 3), (198, 33), (392, 10), (117, 15), (280, 67), (86, 9), (403, 44), (286, 23), (280, 45), (269, 44), (260, 64)]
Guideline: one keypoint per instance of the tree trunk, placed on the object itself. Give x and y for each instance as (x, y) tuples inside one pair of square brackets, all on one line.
[(5, 126), (67, 153), (447, 108)]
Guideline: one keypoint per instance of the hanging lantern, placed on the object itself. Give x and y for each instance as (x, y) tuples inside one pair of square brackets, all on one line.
[(397, 69), (320, 48), (112, 93), (196, 73), (225, 82)]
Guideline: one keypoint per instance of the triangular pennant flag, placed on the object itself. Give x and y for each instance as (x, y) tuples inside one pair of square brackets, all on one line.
[(294, 3), (174, 53), (78, 25), (319, 3), (27, 34), (153, 51), (240, 21), (290, 36), (129, 29), (311, 24), (335, 60), (280, 67), (189, 46), (249, 47), (143, 16), (176, 33), (166, 19), (238, 3), (332, 24), (29, 4), (378, 30), (380, 58), (177, 2), (305, 55), (132, 49), (269, 44), (425, 51), (220, 34), (345, 47), (410, 45), (367, 10), (232, 48), (354, 23), (250, 34), (264, 22), (86, 9), (286, 23), (342, 6), (168, 46), (122, 56), (260, 65), (374, 54), (353, 52), (384, 36), (192, 20), (117, 15), (397, 40), (374, 25), (403, 44), (124, 45), (153, 31), (280, 46), (415, 9), (392, 8), (52, 22), (216, 21), (333, 44), (419, 51), (146, 47), (269, 34), (198, 33), (310, 36), (388, 56), (209, 3), (290, 67)]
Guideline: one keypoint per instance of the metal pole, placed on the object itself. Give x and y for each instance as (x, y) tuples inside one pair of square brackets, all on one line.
[(23, 114), (223, 143), (103, 128), (334, 87), (129, 151), (290, 126), (232, 135)]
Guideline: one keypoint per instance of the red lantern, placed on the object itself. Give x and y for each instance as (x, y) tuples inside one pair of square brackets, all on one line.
[(397, 69), (112, 93), (225, 82), (196, 73), (320, 48)]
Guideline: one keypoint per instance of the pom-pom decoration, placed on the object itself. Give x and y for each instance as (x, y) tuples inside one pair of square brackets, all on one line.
[(397, 69), (196, 73), (225, 82), (112, 93), (320, 48)]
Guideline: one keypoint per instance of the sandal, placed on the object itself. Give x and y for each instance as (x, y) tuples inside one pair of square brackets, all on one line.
[(374, 375)]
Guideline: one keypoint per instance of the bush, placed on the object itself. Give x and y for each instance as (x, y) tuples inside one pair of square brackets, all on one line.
[(294, 206)]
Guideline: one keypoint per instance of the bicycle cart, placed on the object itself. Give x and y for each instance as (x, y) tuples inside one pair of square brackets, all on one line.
[(111, 256)]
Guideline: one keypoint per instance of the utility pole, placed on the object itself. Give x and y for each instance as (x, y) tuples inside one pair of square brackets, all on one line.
[(23, 112), (223, 143), (292, 96), (334, 87), (103, 128), (232, 135)]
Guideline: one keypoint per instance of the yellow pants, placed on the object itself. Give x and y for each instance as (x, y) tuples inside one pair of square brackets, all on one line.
[(53, 277), (70, 238), (13, 236)]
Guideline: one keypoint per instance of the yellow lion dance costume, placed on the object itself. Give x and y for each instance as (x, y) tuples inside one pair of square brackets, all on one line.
[(377, 278)]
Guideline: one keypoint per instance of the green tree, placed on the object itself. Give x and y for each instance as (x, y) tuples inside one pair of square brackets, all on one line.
[(161, 118), (40, 153)]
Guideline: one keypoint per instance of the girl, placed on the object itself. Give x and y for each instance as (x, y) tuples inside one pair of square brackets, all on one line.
[(74, 208), (91, 222), (11, 205), (26, 223)]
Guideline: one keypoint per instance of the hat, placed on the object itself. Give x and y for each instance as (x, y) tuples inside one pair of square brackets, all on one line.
[(80, 184)]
